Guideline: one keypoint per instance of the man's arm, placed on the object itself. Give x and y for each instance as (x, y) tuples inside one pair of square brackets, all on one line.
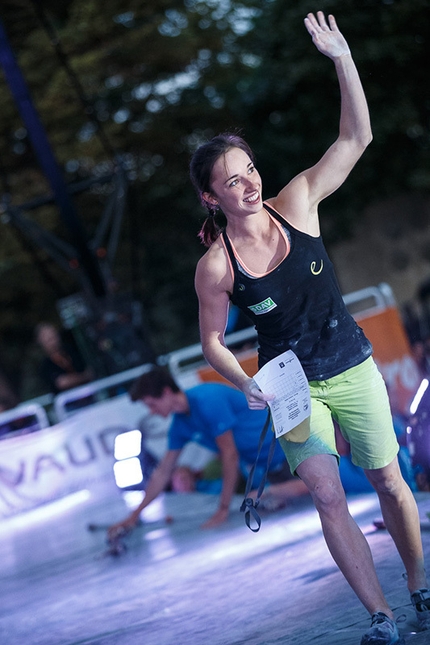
[(157, 483), (230, 461), (74, 379)]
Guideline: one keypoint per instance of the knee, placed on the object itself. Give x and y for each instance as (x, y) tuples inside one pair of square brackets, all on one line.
[(328, 495), (388, 484)]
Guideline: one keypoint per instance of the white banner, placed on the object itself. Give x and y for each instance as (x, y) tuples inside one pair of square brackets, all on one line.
[(70, 456)]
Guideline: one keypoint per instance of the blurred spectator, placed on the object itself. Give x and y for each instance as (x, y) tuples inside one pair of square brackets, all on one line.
[(62, 367), (412, 317), (5, 404), (419, 354), (217, 417), (8, 396), (416, 324)]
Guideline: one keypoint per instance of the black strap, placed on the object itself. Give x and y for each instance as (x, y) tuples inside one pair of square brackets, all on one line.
[(230, 252), (249, 505)]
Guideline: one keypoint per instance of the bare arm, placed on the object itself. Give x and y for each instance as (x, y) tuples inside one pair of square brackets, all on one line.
[(157, 483), (213, 284), (300, 198), (229, 461), (67, 381), (298, 202)]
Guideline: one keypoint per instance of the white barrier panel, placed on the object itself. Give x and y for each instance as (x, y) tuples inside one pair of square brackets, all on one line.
[(78, 454), (24, 419), (70, 456)]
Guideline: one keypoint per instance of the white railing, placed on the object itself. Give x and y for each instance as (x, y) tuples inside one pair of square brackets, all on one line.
[(69, 402), (370, 300), (26, 418), (192, 356)]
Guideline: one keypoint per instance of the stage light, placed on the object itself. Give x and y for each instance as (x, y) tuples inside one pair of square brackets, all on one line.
[(128, 472), (128, 444), (133, 464), (127, 467), (418, 396)]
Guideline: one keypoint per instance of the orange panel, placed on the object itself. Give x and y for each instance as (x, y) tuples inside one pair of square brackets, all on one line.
[(249, 363), (393, 355)]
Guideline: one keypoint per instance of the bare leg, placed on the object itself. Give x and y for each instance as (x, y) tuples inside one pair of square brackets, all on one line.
[(289, 489), (283, 491), (344, 539), (400, 514)]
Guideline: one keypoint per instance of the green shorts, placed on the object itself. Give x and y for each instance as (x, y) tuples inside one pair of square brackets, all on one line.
[(357, 399)]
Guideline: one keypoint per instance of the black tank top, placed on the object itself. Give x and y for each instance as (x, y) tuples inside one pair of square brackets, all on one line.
[(299, 306)]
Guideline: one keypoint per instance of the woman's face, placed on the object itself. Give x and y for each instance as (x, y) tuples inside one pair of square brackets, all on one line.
[(235, 183)]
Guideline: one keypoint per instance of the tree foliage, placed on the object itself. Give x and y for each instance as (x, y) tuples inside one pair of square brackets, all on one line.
[(156, 78)]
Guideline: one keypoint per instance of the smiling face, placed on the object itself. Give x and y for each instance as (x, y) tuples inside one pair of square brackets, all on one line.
[(235, 183)]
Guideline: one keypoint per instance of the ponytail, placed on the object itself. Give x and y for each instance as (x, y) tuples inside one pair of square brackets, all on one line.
[(209, 231), (201, 165)]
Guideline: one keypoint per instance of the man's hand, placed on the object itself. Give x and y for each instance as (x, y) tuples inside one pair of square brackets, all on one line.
[(217, 518), (326, 37), (121, 528)]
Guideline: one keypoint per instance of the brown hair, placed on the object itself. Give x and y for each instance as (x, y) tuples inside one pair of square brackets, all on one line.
[(152, 383), (201, 166)]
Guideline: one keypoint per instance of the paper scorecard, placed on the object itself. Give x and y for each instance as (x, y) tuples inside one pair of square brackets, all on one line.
[(284, 377)]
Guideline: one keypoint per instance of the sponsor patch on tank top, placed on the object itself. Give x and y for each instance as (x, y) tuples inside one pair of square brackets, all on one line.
[(263, 307)]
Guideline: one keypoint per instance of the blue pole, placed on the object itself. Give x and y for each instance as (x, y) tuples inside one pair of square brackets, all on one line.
[(48, 163)]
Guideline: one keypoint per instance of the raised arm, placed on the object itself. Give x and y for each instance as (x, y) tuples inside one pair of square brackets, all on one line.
[(300, 198)]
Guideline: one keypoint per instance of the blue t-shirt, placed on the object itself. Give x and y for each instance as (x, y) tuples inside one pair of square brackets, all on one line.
[(216, 408)]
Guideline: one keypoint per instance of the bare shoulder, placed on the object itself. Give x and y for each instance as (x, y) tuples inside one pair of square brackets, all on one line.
[(213, 261), (213, 271), (293, 202)]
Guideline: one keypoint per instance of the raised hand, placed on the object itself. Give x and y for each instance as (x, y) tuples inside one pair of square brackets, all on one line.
[(326, 37)]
